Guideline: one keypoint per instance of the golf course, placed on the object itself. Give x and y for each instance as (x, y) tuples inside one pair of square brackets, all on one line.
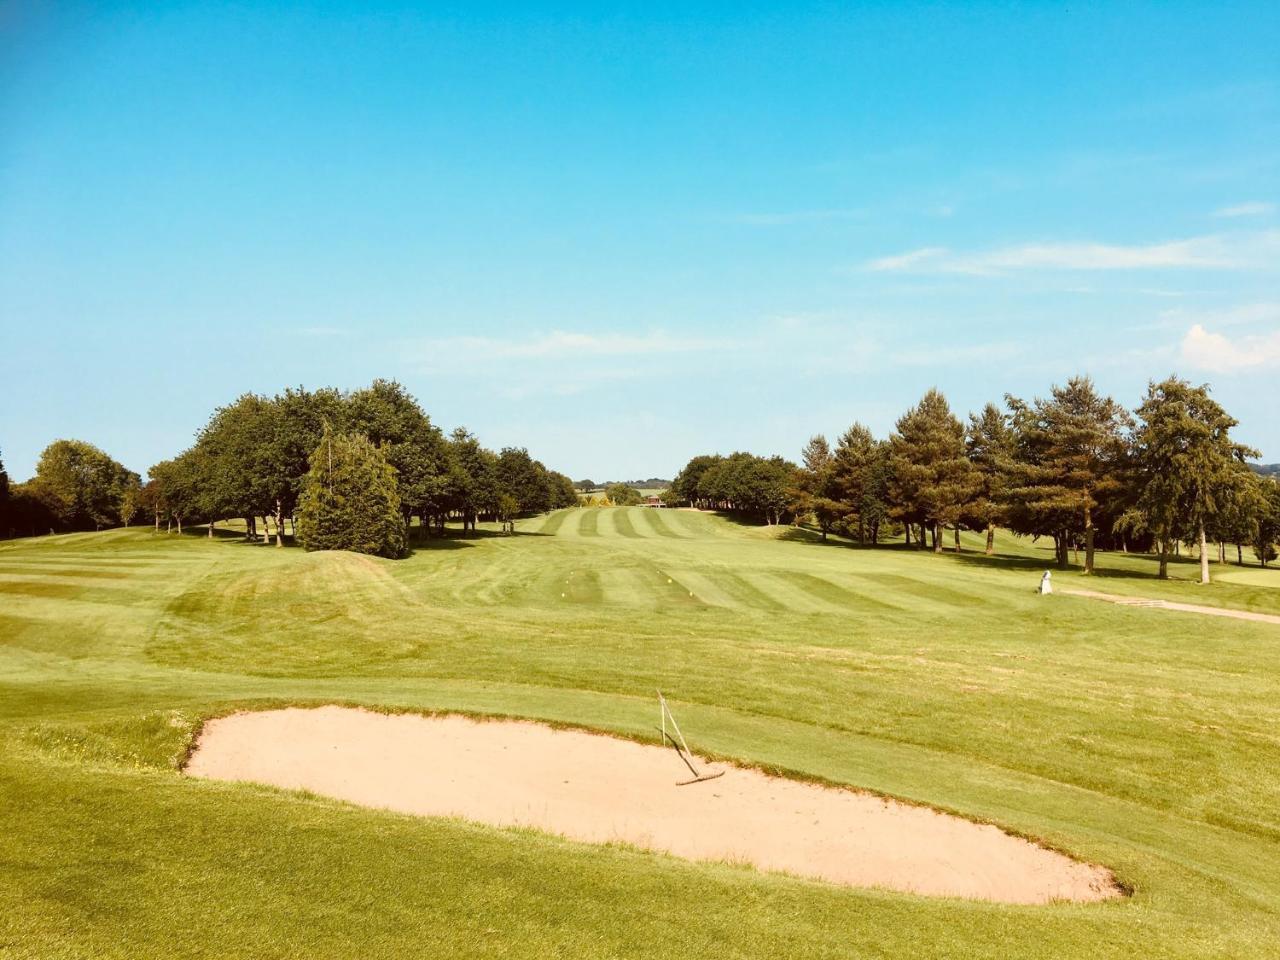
[(1142, 740)]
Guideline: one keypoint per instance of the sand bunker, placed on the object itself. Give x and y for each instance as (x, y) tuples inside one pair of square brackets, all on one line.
[(601, 789)]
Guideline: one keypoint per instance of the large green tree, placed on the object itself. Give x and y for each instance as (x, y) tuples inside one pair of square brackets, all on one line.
[(687, 483), (621, 495), (392, 419), (816, 490), (81, 485), (525, 479), (175, 487), (472, 487), (349, 499), (930, 478), (861, 476), (989, 441), (1074, 445), (1186, 462), (1243, 504), (563, 491), (1266, 530)]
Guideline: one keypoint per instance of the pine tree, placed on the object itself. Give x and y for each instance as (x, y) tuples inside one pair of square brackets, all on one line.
[(350, 500), (860, 479), (930, 477), (989, 443), (815, 486), (1071, 463), (1187, 463)]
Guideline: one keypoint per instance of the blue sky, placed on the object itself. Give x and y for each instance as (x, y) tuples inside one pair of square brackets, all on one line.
[(621, 235)]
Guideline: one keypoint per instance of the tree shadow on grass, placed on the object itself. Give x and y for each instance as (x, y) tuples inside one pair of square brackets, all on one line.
[(806, 533), (1005, 561), (1149, 571)]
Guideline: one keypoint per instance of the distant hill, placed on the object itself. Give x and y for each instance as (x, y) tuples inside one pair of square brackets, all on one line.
[(653, 483), (1266, 469)]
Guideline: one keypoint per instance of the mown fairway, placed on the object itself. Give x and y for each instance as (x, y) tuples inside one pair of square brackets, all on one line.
[(1142, 739)]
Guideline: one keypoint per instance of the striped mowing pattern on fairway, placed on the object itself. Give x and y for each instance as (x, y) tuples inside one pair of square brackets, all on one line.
[(622, 522), (1114, 732), (553, 522), (655, 520)]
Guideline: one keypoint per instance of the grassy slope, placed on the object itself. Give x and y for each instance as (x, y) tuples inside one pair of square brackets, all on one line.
[(1140, 738)]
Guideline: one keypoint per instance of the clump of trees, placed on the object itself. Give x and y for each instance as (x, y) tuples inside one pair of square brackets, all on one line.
[(621, 495), (76, 487), (253, 459), (1075, 466), (740, 483)]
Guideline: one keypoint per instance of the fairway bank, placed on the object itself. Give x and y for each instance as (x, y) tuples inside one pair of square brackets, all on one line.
[(1126, 736), (607, 790)]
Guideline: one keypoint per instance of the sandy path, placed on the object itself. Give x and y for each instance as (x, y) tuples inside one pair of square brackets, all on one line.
[(599, 789), (1174, 605)]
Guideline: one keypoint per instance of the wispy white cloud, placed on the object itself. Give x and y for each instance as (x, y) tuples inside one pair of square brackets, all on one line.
[(1219, 353), (1238, 251), (996, 352), (1263, 312), (562, 344), (1254, 208), (544, 364), (922, 259), (546, 383)]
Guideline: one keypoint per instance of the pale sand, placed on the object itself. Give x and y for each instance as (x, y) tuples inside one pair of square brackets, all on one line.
[(599, 789)]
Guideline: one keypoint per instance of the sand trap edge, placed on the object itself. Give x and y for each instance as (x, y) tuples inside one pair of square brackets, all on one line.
[(1118, 889)]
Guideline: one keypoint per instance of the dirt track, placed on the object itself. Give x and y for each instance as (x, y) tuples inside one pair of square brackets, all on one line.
[(1173, 605), (601, 789)]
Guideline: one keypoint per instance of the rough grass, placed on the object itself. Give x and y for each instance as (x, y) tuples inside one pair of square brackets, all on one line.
[(1143, 739)]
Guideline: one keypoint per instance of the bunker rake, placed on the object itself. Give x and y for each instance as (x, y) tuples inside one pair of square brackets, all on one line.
[(681, 747)]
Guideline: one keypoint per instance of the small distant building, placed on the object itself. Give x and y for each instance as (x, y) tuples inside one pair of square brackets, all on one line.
[(653, 500)]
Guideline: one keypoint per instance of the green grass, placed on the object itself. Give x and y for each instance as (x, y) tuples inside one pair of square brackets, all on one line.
[(1143, 739)]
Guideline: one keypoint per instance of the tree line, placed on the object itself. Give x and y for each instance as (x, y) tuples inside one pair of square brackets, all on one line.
[(1075, 466), (378, 457)]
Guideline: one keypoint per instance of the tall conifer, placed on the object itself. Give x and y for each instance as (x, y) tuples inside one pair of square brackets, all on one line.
[(350, 500)]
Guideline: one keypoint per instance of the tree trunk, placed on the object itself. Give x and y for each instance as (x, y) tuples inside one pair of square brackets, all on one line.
[(907, 528), (991, 539), (211, 523), (937, 536), (1204, 553), (157, 522), (1164, 559), (179, 519), (1088, 540), (957, 538), (1239, 555)]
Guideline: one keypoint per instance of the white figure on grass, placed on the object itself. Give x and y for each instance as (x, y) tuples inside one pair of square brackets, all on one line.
[(1046, 583)]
